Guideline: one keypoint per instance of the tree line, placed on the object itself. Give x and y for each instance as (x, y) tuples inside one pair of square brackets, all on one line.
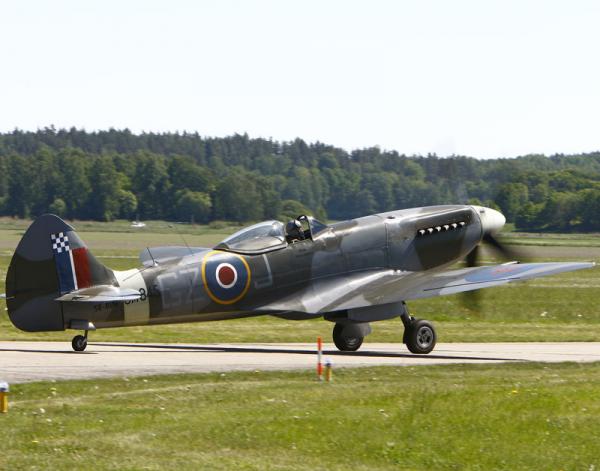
[(112, 174)]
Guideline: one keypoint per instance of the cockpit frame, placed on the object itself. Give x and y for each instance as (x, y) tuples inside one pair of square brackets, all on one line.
[(268, 236)]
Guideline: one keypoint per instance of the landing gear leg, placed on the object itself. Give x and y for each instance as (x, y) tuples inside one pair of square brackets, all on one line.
[(419, 334), (79, 342)]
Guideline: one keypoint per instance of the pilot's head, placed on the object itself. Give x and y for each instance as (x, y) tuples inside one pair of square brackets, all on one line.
[(293, 227)]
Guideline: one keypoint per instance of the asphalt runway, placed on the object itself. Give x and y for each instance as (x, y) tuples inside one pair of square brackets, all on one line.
[(33, 361)]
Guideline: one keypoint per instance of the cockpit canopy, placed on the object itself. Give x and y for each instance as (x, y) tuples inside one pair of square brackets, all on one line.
[(266, 236), (262, 237)]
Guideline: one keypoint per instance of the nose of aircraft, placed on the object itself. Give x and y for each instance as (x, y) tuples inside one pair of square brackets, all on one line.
[(492, 221)]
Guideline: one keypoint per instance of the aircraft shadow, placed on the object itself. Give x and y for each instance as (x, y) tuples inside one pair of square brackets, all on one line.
[(24, 350), (365, 353)]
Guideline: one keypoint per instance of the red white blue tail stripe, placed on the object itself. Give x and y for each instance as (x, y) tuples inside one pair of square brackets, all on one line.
[(72, 264)]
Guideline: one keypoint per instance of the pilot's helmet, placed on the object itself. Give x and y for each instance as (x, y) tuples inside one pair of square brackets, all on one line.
[(293, 227)]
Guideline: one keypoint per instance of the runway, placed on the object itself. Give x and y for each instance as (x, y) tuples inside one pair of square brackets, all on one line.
[(34, 361)]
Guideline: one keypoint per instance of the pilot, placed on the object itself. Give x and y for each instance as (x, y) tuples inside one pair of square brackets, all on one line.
[(294, 231)]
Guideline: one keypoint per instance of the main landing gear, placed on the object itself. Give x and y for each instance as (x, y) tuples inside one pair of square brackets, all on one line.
[(419, 334), (345, 343), (79, 342)]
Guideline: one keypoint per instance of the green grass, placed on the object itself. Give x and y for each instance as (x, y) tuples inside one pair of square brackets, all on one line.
[(119, 243), (511, 416), (124, 226), (551, 241)]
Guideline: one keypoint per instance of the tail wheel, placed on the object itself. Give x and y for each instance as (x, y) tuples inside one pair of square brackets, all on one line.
[(345, 344), (420, 337)]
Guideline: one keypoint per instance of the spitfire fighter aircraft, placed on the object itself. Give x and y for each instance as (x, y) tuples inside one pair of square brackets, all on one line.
[(351, 273)]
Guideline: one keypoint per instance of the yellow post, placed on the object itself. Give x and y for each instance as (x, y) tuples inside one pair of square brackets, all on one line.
[(4, 398), (328, 370)]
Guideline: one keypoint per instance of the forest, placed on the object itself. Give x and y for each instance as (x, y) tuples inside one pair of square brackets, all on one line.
[(116, 174)]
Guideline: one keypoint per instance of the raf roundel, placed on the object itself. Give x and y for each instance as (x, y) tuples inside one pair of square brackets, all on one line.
[(226, 277)]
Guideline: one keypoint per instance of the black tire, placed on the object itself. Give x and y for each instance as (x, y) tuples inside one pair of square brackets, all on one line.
[(345, 344), (420, 337), (79, 343)]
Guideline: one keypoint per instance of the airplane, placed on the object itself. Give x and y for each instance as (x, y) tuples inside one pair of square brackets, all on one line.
[(351, 273)]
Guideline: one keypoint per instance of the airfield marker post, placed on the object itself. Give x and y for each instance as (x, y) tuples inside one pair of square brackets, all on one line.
[(4, 397), (328, 370), (319, 358)]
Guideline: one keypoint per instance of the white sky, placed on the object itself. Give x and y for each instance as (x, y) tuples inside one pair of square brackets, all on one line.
[(483, 78)]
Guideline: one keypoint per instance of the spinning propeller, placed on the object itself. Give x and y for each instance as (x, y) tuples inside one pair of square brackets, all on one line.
[(492, 222)]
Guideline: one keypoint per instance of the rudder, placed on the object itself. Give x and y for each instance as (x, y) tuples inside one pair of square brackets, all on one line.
[(50, 260)]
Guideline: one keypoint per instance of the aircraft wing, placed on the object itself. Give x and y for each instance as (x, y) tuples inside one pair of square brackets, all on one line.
[(390, 286), (469, 279)]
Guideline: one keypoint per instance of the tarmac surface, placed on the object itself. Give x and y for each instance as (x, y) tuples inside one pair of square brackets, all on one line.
[(34, 361)]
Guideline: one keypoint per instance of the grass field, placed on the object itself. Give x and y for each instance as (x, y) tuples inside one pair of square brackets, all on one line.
[(510, 416), (541, 239), (517, 416), (560, 308)]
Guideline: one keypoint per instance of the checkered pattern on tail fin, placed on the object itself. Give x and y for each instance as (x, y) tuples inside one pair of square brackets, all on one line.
[(60, 242)]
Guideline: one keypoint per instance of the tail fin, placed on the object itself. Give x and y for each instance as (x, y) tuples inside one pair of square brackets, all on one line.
[(50, 261)]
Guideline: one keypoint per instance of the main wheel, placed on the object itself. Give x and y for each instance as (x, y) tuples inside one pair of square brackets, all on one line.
[(345, 344), (420, 337), (79, 343)]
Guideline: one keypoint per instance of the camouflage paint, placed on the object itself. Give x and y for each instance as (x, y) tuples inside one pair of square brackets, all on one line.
[(359, 270)]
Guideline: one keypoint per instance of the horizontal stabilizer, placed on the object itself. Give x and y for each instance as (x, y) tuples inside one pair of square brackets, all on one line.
[(101, 294)]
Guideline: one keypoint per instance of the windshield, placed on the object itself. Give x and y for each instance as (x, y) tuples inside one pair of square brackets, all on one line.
[(316, 226), (261, 237)]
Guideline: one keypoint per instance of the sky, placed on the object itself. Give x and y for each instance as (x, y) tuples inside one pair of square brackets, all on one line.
[(482, 78)]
